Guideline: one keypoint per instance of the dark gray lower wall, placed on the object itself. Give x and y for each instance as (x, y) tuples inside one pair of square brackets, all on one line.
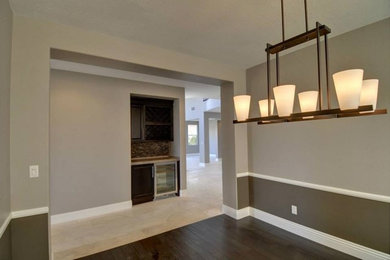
[(26, 238), (29, 238), (242, 192), (362, 221), (5, 244)]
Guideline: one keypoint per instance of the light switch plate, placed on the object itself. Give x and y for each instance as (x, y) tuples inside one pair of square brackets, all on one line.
[(34, 171), (294, 210)]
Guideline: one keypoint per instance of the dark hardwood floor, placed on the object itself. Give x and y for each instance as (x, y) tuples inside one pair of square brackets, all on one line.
[(222, 237)]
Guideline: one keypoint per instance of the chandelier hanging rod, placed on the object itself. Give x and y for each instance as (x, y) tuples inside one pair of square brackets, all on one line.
[(282, 10), (306, 23)]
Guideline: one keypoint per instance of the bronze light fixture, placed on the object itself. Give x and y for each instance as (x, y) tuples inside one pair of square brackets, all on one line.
[(356, 97)]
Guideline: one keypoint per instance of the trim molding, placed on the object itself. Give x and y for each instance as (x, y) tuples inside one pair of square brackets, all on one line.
[(242, 174), (358, 194), (5, 224), (29, 212), (121, 74), (91, 212), (339, 244), (235, 213)]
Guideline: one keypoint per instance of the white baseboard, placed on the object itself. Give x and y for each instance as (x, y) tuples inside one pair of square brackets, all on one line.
[(242, 213), (325, 239), (5, 224), (91, 212), (339, 244), (29, 212), (234, 213)]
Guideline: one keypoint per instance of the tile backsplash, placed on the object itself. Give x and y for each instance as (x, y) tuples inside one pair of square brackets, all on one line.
[(150, 149)]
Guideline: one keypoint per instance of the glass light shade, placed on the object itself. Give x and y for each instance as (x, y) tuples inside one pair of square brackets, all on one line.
[(308, 101), (263, 105), (348, 84), (369, 94), (284, 98), (241, 105)]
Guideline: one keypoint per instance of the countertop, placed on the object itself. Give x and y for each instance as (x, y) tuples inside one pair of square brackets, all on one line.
[(156, 159)]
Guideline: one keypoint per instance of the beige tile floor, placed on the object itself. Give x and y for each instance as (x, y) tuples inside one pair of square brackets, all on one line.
[(202, 199)]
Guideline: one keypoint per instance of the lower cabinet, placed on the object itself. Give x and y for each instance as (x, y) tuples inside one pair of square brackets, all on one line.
[(142, 183), (149, 181)]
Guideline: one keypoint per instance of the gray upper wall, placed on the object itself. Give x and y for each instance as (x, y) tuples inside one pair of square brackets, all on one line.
[(350, 153), (90, 138), (5, 65)]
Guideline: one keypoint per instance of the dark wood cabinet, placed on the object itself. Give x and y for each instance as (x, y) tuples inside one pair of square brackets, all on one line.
[(151, 119), (142, 183)]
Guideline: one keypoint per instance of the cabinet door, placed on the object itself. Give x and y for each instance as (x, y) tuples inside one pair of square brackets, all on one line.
[(158, 115), (142, 183), (158, 123), (159, 132), (136, 122)]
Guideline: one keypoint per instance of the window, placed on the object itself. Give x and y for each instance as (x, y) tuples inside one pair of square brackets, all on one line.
[(192, 134)]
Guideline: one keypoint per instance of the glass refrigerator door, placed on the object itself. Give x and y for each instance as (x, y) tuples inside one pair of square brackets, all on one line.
[(165, 179)]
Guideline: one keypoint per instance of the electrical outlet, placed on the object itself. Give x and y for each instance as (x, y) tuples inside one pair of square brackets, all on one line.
[(34, 171), (294, 210)]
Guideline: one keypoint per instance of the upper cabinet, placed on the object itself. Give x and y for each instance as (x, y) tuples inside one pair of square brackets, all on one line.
[(136, 122), (151, 119)]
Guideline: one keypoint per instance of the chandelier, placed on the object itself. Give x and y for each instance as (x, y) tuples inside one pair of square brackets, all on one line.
[(355, 96)]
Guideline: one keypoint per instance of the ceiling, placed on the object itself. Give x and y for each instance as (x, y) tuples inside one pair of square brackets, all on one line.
[(229, 31)]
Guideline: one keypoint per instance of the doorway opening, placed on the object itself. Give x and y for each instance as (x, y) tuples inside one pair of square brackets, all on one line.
[(203, 153), (96, 95)]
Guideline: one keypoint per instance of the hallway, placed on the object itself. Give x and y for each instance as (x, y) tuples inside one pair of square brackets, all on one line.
[(202, 199)]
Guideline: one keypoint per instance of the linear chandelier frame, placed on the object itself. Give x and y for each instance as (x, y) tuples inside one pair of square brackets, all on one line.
[(319, 31)]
